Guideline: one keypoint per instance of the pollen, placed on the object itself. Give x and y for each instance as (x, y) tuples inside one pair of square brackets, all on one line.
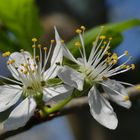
[(77, 44), (83, 28), (102, 37), (62, 41), (126, 98), (6, 54), (45, 48), (138, 87), (133, 66), (39, 46), (10, 62), (34, 39), (126, 53), (52, 41), (33, 46), (78, 31), (104, 78), (21, 50)]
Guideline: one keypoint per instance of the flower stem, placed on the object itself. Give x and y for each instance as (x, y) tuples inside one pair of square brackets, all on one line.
[(58, 106)]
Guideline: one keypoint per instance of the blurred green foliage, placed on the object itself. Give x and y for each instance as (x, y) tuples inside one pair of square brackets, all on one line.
[(19, 23)]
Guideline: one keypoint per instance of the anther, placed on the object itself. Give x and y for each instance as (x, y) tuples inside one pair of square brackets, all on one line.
[(62, 41), (52, 41), (126, 53), (83, 28), (104, 78), (39, 46), (6, 54), (21, 50), (78, 31), (33, 46), (45, 48), (137, 87), (34, 39), (126, 98), (102, 37), (133, 66), (77, 44)]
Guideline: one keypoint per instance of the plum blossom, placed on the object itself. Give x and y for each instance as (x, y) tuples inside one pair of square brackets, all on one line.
[(28, 89), (95, 70)]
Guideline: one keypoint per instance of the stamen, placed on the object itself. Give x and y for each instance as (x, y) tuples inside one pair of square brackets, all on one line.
[(102, 37), (126, 98), (78, 31), (34, 39), (133, 66), (6, 54)]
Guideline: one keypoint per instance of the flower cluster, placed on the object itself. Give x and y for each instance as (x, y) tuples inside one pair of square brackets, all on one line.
[(30, 88)]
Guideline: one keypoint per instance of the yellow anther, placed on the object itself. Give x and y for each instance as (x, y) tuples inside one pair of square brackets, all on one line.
[(106, 52), (33, 46), (6, 54), (21, 50), (34, 39), (10, 62), (126, 98), (52, 41), (25, 72), (126, 53), (133, 66), (62, 41), (102, 37), (37, 58), (102, 47), (114, 56), (78, 31), (110, 38), (77, 44), (21, 70), (114, 61), (108, 47), (104, 78), (39, 46), (109, 54), (128, 66), (45, 48), (83, 28), (137, 87), (105, 42)]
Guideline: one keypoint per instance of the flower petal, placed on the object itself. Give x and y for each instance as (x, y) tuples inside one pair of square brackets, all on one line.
[(19, 58), (117, 92), (101, 109), (9, 95), (20, 115), (56, 58), (72, 77), (57, 93), (69, 55)]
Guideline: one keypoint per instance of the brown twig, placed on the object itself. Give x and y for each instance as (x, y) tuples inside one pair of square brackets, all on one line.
[(74, 106)]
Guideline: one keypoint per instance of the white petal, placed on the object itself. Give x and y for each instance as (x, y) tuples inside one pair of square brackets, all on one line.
[(20, 58), (51, 72), (20, 115), (69, 55), (58, 50), (57, 93), (72, 77), (57, 57), (101, 109), (9, 95), (117, 92)]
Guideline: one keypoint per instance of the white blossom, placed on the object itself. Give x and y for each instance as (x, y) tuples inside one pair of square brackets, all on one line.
[(29, 86), (96, 69)]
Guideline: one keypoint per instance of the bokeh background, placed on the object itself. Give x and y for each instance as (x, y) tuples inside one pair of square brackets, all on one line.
[(67, 15)]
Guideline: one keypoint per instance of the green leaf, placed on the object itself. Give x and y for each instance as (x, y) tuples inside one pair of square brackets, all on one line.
[(21, 20), (113, 30)]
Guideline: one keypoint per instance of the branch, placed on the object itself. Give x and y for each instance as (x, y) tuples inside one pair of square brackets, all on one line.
[(74, 106)]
